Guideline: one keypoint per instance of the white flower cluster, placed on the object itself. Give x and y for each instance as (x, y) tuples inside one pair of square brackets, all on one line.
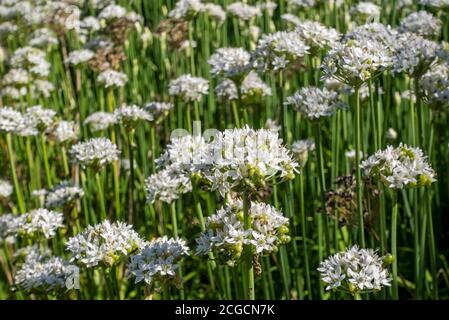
[(301, 149), (43, 37), (302, 3), (230, 62), (314, 103), (440, 4), (159, 110), (64, 131), (167, 185), (6, 188), (279, 50), (245, 159), (365, 11), (225, 235), (435, 84), (100, 120), (31, 59), (186, 9), (112, 78), (316, 35), (96, 152), (43, 274), (104, 244), (354, 62), (414, 55), (78, 57), (189, 88), (158, 261), (374, 31), (40, 117), (252, 89), (215, 12), (131, 115), (243, 11), (399, 167), (421, 23), (8, 228), (355, 270), (38, 223), (64, 194)]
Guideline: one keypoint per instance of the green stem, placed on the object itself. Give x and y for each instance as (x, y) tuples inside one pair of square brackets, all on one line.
[(45, 159), (357, 169), (248, 266), (101, 195), (394, 221), (131, 177), (12, 162)]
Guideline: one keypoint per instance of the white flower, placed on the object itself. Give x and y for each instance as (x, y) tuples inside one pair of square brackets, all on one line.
[(63, 194), (39, 223), (399, 167), (435, 84), (391, 134), (90, 23), (316, 35), (16, 77), (100, 120), (230, 62), (43, 37), (6, 188), (158, 260), (314, 103), (226, 237), (65, 131), (350, 154), (243, 11), (301, 149), (79, 56), (365, 10), (186, 9), (131, 115), (41, 118), (105, 244), (278, 50), (355, 270), (112, 11), (8, 228), (158, 109), (95, 152), (189, 88), (167, 185), (302, 3), (215, 11), (440, 4), (31, 59), (10, 119), (421, 23), (112, 78), (254, 87)]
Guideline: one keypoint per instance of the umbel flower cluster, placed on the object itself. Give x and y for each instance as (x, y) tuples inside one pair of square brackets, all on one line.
[(63, 195), (105, 244), (399, 167), (158, 261), (355, 270), (225, 235), (94, 153), (37, 224)]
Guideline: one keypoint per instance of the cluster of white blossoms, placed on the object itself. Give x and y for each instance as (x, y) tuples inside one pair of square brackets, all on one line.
[(215, 12), (10, 119), (355, 270), (279, 50), (252, 89), (42, 118), (243, 11), (399, 167), (414, 55), (100, 120), (317, 36), (435, 84), (64, 131), (64, 194), (421, 23), (186, 9), (43, 38), (365, 11), (230, 62), (78, 57), (38, 223), (188, 88), (301, 149), (131, 115), (44, 274), (245, 159), (354, 62), (374, 31), (8, 227), (225, 235), (440, 4), (6, 188), (167, 185), (111, 78), (95, 152), (31, 59), (158, 261), (302, 3), (105, 244), (158, 110), (314, 103)]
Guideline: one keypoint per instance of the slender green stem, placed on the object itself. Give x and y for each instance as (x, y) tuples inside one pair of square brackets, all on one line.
[(248, 266), (12, 162), (394, 221), (358, 176), (131, 177), (45, 159), (101, 195)]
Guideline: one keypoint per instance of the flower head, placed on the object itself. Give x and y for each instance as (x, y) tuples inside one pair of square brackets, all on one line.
[(112, 78), (131, 115), (63, 195), (421, 23), (100, 120), (96, 152), (39, 223), (230, 62), (189, 88)]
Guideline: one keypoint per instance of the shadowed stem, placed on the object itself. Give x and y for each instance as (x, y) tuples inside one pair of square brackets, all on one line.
[(248, 267), (358, 178), (12, 162)]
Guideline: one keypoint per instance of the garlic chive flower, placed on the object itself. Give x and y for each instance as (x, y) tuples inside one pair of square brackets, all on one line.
[(434, 85), (355, 271), (186, 9), (6, 188), (44, 274), (111, 78), (302, 3), (301, 149), (188, 88), (94, 153), (8, 228), (41, 117), (105, 244), (131, 115), (31, 59), (230, 63), (314, 103), (64, 131), (365, 11), (373, 31), (158, 261), (39, 223), (63, 195), (278, 51), (354, 62), (246, 159), (226, 237), (78, 57), (167, 185), (10, 119), (100, 120), (215, 12), (158, 110), (421, 23), (400, 167), (252, 89), (243, 11), (317, 36), (438, 4)]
